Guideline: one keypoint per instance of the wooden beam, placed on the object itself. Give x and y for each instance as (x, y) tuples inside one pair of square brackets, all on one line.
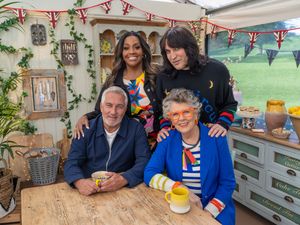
[(128, 22)]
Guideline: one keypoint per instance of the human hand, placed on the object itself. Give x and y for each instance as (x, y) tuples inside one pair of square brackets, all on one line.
[(113, 183), (86, 186), (194, 199), (216, 130), (78, 130), (162, 134)]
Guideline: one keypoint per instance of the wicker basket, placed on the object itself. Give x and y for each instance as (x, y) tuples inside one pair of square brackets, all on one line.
[(43, 170), (7, 202)]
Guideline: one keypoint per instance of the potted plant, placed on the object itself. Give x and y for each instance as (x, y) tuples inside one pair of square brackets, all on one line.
[(10, 121)]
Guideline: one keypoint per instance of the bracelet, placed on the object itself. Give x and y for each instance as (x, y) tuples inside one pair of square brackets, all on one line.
[(176, 184)]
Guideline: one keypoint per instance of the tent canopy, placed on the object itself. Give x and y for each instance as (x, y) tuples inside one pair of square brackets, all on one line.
[(244, 13)]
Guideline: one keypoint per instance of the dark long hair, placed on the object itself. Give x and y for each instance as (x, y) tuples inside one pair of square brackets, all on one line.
[(120, 65), (181, 37)]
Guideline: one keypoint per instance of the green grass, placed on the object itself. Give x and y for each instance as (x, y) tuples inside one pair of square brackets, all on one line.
[(258, 81)]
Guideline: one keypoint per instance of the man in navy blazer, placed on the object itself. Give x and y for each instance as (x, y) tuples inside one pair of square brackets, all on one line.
[(113, 143)]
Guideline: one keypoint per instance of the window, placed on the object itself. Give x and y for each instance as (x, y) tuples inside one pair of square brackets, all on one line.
[(258, 81)]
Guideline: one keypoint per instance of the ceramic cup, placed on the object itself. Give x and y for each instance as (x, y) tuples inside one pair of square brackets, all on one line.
[(99, 176), (178, 198)]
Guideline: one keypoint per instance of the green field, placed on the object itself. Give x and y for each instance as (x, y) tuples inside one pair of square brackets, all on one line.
[(257, 80)]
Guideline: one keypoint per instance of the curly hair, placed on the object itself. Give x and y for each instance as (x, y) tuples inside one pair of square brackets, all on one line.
[(181, 37), (180, 95), (119, 63)]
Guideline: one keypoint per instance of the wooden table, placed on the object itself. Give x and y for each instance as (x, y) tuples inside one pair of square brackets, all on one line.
[(59, 204)]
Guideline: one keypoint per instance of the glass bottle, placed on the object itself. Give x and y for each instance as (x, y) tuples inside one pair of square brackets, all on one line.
[(275, 115)]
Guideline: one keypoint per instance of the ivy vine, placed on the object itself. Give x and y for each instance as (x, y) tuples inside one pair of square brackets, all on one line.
[(76, 98)]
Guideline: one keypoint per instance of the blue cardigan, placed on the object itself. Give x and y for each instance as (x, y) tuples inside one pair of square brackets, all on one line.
[(216, 170)]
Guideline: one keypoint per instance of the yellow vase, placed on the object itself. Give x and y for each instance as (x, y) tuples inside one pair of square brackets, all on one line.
[(275, 115)]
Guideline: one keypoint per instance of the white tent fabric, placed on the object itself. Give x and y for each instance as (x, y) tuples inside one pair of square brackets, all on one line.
[(256, 12)]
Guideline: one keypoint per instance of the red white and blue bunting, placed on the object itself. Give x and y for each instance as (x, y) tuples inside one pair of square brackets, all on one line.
[(126, 7), (149, 16), (106, 6), (21, 14), (253, 37), (82, 13), (53, 17), (231, 36)]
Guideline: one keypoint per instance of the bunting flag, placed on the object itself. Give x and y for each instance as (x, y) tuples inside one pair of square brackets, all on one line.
[(21, 14), (213, 33), (253, 37), (297, 57), (106, 6), (172, 23), (193, 26), (53, 17), (271, 55), (126, 7), (82, 13), (149, 16), (231, 35), (279, 36), (247, 51)]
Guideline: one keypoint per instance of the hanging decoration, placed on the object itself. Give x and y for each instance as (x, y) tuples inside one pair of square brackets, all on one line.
[(126, 7), (21, 14), (172, 23), (231, 35), (279, 36), (297, 57), (193, 26), (213, 33), (106, 6), (53, 18), (82, 13), (38, 34), (271, 55), (248, 49), (253, 37), (149, 16)]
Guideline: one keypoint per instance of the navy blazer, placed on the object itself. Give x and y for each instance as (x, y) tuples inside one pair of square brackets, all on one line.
[(129, 154)]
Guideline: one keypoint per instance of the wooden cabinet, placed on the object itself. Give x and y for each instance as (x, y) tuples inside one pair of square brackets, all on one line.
[(267, 176), (107, 32)]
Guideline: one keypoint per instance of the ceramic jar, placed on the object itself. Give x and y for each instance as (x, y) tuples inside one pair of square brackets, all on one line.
[(275, 115)]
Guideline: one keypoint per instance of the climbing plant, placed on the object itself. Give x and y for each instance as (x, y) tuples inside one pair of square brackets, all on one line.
[(76, 98)]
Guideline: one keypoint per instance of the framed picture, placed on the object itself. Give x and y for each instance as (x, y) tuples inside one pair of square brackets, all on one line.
[(69, 52), (46, 93)]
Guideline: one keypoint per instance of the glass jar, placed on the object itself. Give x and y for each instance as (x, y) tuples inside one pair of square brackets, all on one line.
[(275, 115)]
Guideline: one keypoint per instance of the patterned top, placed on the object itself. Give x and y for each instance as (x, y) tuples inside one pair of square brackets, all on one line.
[(140, 103), (191, 172)]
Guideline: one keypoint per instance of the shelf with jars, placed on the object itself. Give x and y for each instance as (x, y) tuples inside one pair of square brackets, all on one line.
[(107, 32)]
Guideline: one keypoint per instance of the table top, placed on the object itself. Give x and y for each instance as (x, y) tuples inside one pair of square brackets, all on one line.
[(60, 204), (292, 141)]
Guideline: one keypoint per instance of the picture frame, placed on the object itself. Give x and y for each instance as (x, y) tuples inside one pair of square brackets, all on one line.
[(46, 92), (69, 52)]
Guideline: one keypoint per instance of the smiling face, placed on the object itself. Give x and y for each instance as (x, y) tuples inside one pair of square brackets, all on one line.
[(177, 57), (132, 52), (183, 117), (113, 109)]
